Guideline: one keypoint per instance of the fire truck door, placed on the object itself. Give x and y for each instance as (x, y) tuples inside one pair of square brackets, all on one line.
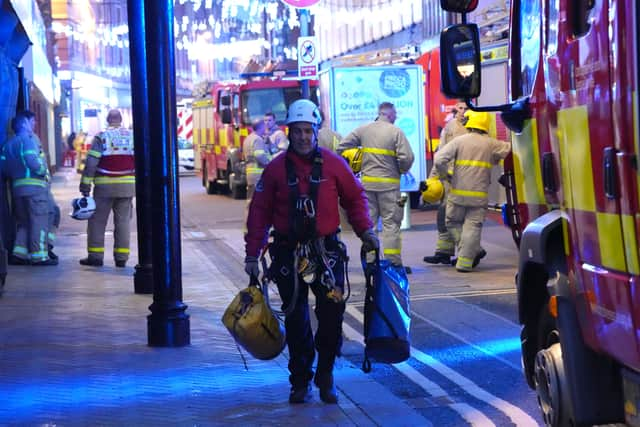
[(601, 232)]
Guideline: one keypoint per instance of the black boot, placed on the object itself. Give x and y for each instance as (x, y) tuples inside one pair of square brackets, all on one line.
[(328, 391), (438, 258), (300, 393), (324, 378)]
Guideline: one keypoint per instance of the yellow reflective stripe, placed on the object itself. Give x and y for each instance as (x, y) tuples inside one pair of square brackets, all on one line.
[(21, 250), (258, 152), (382, 151), (115, 180), (87, 180), (464, 262), (244, 131), (254, 170), (474, 163), (96, 250), (610, 241), (469, 193), (366, 178), (526, 158), (391, 251), (121, 250), (37, 153), (631, 249), (94, 153), (29, 181), (575, 154), (565, 235), (222, 139), (217, 149)]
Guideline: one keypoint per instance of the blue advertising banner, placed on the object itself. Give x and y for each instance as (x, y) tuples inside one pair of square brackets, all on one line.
[(356, 93)]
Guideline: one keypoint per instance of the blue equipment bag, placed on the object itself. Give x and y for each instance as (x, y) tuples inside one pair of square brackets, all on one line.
[(386, 313)]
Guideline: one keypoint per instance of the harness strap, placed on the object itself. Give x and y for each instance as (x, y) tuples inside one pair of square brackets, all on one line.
[(302, 227)]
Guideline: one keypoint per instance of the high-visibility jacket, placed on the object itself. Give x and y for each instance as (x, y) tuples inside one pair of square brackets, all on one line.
[(21, 161), (473, 156), (111, 164), (386, 154), (257, 154), (277, 139), (329, 139), (451, 130)]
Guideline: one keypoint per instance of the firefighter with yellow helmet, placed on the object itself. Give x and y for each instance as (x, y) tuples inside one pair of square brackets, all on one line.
[(386, 155), (473, 156), (434, 191)]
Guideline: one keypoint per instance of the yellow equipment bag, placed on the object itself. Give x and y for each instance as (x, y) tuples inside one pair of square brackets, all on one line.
[(354, 158), (253, 325)]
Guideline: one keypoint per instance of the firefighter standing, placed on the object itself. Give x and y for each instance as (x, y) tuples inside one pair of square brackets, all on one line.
[(298, 195), (386, 156), (327, 137), (257, 154), (445, 245), (111, 169), (24, 164), (276, 136), (474, 155)]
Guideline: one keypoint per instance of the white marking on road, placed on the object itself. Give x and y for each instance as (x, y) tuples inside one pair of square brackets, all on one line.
[(467, 342), (467, 412), (517, 415)]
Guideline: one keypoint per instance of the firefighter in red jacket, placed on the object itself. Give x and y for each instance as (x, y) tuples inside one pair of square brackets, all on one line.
[(111, 170), (298, 195)]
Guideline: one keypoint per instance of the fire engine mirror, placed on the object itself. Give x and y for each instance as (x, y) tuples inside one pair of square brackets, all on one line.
[(225, 116), (460, 61), (459, 6), (225, 100)]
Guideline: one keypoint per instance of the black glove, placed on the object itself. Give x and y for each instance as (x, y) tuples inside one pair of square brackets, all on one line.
[(423, 186), (251, 266), (369, 241), (85, 189)]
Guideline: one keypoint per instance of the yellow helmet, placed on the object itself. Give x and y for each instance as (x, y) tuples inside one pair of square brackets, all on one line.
[(354, 158), (434, 191), (478, 120)]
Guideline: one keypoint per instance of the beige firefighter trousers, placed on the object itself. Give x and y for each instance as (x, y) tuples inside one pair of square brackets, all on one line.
[(32, 224), (122, 212), (384, 205), (465, 225)]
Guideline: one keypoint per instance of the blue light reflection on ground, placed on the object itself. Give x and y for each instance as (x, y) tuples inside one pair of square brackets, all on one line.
[(483, 350), (31, 396)]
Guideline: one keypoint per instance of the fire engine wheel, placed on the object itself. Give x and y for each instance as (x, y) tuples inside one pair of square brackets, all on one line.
[(234, 189), (206, 182), (551, 386)]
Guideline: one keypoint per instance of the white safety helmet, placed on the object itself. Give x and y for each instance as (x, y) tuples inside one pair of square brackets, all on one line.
[(83, 208), (304, 110)]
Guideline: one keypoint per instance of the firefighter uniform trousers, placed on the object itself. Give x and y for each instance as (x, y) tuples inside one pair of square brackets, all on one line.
[(465, 225), (122, 208), (385, 205), (300, 339), (32, 222), (445, 243)]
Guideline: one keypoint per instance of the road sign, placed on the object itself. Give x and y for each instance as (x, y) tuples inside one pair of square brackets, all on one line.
[(301, 3), (307, 58)]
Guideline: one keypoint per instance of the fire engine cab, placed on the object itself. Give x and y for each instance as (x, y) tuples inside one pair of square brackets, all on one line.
[(223, 118), (572, 183)]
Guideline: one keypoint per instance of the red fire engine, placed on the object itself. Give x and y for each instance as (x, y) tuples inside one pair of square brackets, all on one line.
[(573, 189), (223, 118)]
